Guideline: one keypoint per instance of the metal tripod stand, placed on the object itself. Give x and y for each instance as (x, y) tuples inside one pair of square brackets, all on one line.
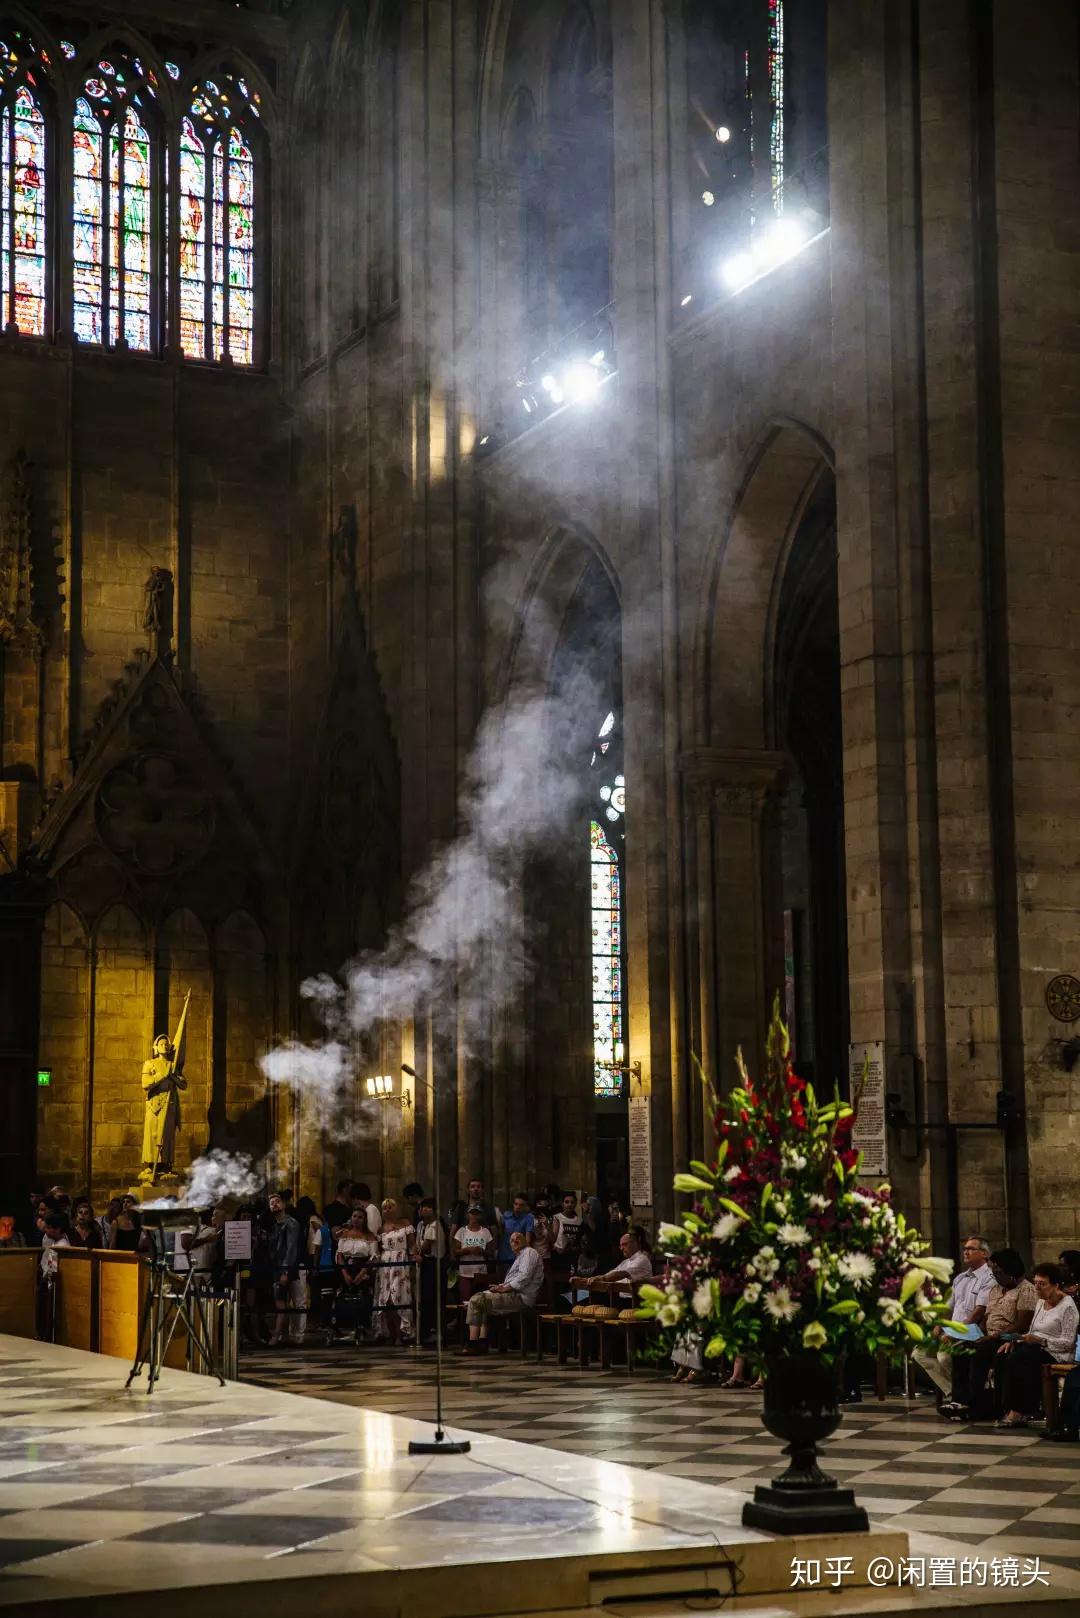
[(170, 1300)]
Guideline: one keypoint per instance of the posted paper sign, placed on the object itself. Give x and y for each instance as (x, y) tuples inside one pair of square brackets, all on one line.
[(237, 1240), (640, 1153), (869, 1135)]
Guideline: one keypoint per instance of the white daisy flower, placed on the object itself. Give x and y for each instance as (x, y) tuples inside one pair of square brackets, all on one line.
[(701, 1302), (752, 1292), (781, 1305), (818, 1202), (857, 1267), (725, 1227), (732, 1173), (793, 1235)]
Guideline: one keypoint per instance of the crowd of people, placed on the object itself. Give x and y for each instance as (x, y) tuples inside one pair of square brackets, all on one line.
[(369, 1272), (366, 1271), (989, 1366)]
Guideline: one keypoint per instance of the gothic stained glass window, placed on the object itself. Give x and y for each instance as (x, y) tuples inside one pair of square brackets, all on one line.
[(607, 995), (217, 222), (114, 205), (605, 845), (23, 265), (776, 103)]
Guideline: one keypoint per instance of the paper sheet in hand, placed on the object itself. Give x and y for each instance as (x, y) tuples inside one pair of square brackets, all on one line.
[(964, 1334)]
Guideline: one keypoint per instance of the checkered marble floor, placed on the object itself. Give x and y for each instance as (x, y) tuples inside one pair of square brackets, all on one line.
[(197, 1488), (1003, 1493)]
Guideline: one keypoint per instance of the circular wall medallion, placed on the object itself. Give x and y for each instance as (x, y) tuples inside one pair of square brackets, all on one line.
[(1063, 998), (153, 814)]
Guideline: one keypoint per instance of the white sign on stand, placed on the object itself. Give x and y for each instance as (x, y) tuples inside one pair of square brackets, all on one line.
[(866, 1075), (237, 1240), (641, 1188)]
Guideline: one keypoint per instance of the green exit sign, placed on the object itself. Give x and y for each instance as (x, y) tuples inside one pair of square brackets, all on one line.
[(44, 1077)]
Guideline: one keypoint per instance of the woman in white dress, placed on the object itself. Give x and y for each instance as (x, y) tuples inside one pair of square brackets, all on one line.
[(394, 1302)]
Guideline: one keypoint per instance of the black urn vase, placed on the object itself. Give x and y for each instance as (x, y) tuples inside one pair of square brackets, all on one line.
[(802, 1407)]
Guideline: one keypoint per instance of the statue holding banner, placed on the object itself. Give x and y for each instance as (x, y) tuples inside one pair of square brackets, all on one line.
[(162, 1081)]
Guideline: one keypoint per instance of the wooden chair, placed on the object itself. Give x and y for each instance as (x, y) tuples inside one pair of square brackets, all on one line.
[(1052, 1376)]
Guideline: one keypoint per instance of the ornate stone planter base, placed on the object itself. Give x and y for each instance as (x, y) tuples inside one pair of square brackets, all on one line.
[(801, 1406)]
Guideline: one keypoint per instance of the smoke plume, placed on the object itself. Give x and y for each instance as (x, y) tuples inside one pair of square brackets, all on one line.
[(522, 791)]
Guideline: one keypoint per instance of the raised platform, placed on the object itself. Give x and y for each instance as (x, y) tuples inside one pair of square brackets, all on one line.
[(108, 1496)]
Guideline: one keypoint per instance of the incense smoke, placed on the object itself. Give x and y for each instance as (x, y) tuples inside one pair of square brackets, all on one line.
[(522, 791), (214, 1176)]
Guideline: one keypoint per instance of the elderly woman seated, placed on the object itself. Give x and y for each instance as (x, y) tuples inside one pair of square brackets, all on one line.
[(1051, 1340)]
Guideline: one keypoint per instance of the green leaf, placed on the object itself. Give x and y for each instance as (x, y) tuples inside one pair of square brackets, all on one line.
[(722, 1153), (846, 1306), (704, 1170), (765, 1195)]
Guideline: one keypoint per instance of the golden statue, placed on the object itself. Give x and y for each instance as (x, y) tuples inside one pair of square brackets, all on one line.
[(162, 1081)]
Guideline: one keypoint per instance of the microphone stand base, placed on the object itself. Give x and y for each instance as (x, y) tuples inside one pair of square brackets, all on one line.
[(439, 1445)]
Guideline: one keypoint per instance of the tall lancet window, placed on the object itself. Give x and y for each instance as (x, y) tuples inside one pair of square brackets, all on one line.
[(218, 221), (776, 103), (117, 206), (23, 279), (605, 859)]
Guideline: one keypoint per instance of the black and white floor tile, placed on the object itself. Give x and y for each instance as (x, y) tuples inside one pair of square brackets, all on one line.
[(1005, 1493)]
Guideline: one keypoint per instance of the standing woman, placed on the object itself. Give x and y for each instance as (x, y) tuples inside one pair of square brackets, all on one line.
[(394, 1279), (1018, 1371)]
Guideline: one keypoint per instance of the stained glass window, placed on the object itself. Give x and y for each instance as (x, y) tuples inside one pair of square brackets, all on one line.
[(217, 222), (23, 274), (776, 103), (605, 849), (607, 995), (116, 165)]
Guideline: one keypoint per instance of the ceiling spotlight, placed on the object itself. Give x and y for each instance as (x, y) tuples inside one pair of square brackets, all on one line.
[(580, 382), (708, 198), (723, 134), (739, 270), (688, 299)]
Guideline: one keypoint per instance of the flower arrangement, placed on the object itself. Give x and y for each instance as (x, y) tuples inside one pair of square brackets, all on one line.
[(783, 1249)]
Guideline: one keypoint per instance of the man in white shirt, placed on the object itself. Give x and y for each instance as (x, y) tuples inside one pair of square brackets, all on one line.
[(567, 1227), (967, 1304), (519, 1291), (360, 1196), (635, 1264)]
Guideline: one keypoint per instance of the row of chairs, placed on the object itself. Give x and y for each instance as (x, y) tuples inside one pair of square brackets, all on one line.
[(587, 1335)]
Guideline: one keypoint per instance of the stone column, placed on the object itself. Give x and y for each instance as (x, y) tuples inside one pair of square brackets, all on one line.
[(731, 795)]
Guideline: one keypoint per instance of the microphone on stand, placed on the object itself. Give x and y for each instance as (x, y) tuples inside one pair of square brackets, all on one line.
[(411, 1071)]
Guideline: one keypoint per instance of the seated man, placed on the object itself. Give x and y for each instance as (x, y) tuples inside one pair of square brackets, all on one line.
[(634, 1266), (967, 1304), (519, 1291), (1010, 1306)]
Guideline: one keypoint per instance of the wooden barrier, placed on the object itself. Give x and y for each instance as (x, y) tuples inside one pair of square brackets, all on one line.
[(76, 1310), (123, 1279), (18, 1290)]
